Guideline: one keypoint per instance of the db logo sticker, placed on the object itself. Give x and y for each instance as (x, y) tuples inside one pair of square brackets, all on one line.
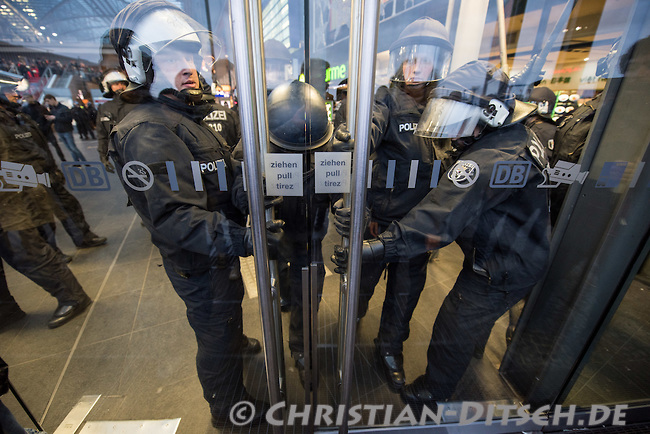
[(464, 173), (510, 174), (85, 175)]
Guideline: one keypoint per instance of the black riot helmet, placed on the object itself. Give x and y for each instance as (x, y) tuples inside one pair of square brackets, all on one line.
[(298, 119), (545, 99), (476, 94), (277, 61), (421, 54)]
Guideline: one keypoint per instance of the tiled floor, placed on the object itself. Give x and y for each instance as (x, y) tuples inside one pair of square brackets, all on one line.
[(135, 348)]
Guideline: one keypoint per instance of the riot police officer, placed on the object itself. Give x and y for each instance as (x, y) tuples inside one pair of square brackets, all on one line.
[(192, 218), (298, 122), (277, 64), (111, 112), (25, 209), (419, 58), (504, 233), (541, 122)]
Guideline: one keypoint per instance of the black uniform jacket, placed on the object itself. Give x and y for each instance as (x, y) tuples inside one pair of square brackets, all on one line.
[(109, 115), (224, 121), (192, 225), (20, 142), (395, 117), (503, 232)]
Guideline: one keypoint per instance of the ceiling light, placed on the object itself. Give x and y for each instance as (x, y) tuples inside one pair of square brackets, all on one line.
[(55, 34), (42, 27), (578, 28), (586, 58), (25, 27)]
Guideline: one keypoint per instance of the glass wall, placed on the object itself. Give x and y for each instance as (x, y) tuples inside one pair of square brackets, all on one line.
[(491, 250)]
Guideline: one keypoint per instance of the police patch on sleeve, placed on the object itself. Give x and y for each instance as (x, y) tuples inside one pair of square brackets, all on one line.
[(464, 173)]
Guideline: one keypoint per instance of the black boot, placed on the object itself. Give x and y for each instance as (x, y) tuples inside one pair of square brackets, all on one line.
[(245, 411), (66, 311), (418, 393), (250, 346), (392, 366)]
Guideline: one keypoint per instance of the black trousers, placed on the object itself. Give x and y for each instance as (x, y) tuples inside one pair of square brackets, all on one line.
[(67, 209), (8, 304), (297, 257), (214, 312), (405, 283), (464, 322), (28, 253)]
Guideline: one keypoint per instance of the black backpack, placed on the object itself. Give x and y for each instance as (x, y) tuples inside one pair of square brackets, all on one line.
[(572, 132)]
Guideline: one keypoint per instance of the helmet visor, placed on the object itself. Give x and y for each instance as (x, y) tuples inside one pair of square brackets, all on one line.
[(277, 72), (445, 118), (179, 63), (419, 63)]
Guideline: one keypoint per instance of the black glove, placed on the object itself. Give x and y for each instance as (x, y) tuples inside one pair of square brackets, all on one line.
[(273, 236), (372, 251), (342, 139), (107, 163), (342, 217)]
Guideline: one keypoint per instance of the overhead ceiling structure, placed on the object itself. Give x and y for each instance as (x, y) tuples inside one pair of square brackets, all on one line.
[(66, 27)]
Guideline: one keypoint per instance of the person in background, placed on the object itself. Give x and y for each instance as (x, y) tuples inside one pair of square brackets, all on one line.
[(62, 118), (37, 112), (541, 121)]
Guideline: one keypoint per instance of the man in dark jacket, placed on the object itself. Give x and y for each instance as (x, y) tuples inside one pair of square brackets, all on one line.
[(37, 112), (66, 207), (62, 118), (501, 223), (24, 210), (181, 180)]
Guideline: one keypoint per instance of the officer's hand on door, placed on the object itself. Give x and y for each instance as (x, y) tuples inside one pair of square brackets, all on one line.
[(342, 218), (274, 235), (343, 141), (371, 251)]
